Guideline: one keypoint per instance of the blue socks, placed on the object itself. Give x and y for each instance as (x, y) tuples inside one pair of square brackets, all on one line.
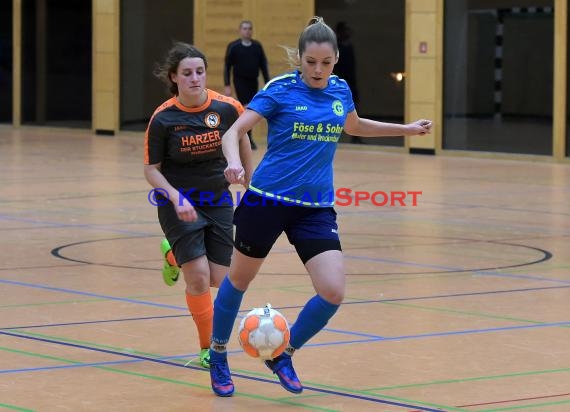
[(226, 308), (314, 316)]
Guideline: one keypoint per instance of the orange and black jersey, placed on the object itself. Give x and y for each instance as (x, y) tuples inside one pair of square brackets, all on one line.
[(187, 142)]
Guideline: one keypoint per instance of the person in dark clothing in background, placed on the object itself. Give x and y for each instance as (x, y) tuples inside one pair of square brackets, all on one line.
[(346, 65), (245, 58)]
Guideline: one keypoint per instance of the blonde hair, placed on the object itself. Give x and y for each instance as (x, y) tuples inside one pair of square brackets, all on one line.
[(317, 31)]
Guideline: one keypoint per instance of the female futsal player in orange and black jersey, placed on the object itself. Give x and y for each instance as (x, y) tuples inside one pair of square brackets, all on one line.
[(184, 163)]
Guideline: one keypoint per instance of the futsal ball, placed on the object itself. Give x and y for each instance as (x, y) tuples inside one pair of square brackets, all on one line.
[(264, 333)]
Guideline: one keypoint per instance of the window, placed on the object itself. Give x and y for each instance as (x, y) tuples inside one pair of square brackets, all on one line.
[(56, 63), (498, 76)]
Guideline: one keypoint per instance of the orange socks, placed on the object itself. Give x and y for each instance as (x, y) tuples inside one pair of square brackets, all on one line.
[(202, 311), (171, 259)]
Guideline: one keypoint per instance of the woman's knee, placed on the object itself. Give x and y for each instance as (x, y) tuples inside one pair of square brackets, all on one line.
[(333, 295), (197, 281), (241, 282), (243, 269)]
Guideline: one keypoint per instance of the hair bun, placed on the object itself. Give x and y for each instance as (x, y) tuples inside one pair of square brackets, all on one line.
[(315, 20)]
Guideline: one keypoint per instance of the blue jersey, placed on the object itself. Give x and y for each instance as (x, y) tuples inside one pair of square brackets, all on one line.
[(304, 127)]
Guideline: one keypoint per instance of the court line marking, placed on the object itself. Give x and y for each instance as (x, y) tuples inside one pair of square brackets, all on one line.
[(102, 366), (443, 382), (546, 255), (376, 338), (77, 364), (15, 408), (535, 405), (534, 398), (239, 375), (182, 308), (92, 295), (483, 272)]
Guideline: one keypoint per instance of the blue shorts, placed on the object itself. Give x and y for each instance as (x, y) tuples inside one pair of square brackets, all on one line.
[(260, 221)]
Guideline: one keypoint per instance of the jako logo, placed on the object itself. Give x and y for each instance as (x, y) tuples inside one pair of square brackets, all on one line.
[(301, 108)]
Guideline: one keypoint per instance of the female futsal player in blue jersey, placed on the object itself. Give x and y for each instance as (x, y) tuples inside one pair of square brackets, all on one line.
[(306, 111)]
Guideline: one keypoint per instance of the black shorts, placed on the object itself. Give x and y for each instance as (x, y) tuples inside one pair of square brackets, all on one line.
[(210, 235), (260, 221)]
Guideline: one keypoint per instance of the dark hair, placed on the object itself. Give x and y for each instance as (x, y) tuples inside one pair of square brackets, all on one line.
[(319, 32), (178, 52)]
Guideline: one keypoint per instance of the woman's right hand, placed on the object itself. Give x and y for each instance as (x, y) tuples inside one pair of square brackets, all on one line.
[(186, 211), (235, 173)]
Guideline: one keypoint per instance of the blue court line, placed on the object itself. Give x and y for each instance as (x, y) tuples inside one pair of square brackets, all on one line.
[(504, 208), (115, 230), (238, 375), (63, 197), (51, 325), (107, 351), (360, 302), (456, 295), (526, 277), (402, 216), (78, 226), (449, 295), (107, 363), (77, 365), (93, 295), (112, 229), (392, 261), (451, 269), (435, 334), (372, 338)]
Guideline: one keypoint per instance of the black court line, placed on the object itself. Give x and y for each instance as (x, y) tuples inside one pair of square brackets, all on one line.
[(544, 255)]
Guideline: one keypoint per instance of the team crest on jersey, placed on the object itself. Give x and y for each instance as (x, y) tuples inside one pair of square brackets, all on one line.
[(212, 119), (337, 107)]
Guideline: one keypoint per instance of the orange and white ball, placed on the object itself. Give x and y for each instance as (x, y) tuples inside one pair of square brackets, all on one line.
[(264, 333)]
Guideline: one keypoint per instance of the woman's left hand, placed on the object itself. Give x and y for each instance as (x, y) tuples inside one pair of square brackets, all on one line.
[(419, 127)]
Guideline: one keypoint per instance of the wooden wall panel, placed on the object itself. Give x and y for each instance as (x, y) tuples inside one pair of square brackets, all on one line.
[(280, 25), (106, 65), (560, 98), (215, 25), (424, 54), (275, 23)]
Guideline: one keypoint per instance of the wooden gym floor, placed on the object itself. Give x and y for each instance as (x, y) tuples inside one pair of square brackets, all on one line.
[(461, 303)]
